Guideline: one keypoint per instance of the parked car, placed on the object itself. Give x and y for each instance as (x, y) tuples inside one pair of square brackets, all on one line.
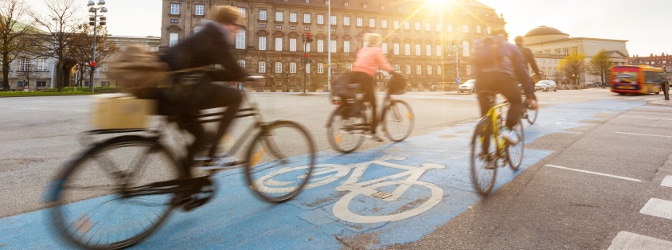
[(546, 85), (467, 87)]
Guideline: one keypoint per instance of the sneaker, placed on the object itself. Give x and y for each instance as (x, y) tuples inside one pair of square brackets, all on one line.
[(488, 161), (509, 135), (377, 138)]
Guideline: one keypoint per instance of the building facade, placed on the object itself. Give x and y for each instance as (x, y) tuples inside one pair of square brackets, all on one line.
[(428, 43), (550, 46), (36, 73), (663, 61)]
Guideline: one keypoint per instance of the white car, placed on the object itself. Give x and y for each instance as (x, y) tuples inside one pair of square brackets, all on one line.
[(467, 87), (546, 85)]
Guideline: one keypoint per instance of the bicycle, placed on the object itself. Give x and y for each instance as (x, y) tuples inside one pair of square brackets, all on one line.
[(118, 191), (350, 122), (489, 151), (529, 114)]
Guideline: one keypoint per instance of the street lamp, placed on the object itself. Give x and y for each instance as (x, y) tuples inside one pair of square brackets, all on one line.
[(93, 21)]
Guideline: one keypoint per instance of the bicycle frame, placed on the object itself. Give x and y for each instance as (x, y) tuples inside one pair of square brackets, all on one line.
[(494, 116)]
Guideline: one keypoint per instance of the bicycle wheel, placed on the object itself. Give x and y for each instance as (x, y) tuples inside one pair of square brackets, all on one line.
[(398, 120), (280, 145), (483, 157), (530, 115), (514, 153), (91, 206), (344, 130)]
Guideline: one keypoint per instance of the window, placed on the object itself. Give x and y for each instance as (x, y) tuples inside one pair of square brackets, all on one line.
[(429, 70), (346, 21), (417, 25), (407, 49), (42, 65), (438, 70), (278, 44), (320, 45), (241, 63), (240, 39), (20, 84), (174, 20), (262, 67), (278, 16), (172, 39), (372, 23), (262, 43), (278, 67), (418, 69), (306, 18), (174, 8), (438, 50), (478, 29), (408, 69), (292, 68), (465, 28), (428, 27), (383, 24), (262, 15), (396, 49), (346, 4), (242, 12), (382, 7), (292, 44), (346, 46), (438, 27), (360, 22), (383, 46), (332, 45), (308, 68), (449, 28), (395, 24), (365, 6), (348, 66), (307, 1), (418, 50), (42, 84), (407, 25), (397, 68), (198, 28), (24, 64), (320, 19), (199, 10), (292, 17), (428, 50), (306, 47), (487, 29), (332, 20), (320, 68)]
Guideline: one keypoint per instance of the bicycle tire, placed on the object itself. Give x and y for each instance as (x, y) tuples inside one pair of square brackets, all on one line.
[(483, 174), (531, 115), (280, 145), (398, 120), (514, 153), (342, 134), (88, 205)]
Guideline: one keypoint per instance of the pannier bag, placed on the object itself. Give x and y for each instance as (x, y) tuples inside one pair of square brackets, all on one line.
[(138, 71)]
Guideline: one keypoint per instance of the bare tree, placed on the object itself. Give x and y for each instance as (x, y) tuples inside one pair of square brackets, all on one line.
[(14, 24), (82, 45), (62, 22)]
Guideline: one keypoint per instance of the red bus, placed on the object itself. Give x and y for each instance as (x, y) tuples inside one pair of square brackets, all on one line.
[(636, 79)]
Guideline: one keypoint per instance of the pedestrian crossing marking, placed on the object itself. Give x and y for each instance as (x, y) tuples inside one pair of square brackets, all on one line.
[(667, 181), (628, 240), (658, 208)]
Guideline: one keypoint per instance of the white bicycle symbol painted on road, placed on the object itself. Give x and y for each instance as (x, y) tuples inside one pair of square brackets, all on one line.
[(378, 189)]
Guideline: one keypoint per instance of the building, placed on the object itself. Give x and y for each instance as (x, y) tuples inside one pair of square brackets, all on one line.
[(426, 42), (663, 61), (37, 73), (550, 46)]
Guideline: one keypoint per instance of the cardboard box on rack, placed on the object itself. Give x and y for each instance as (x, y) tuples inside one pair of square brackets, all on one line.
[(121, 111)]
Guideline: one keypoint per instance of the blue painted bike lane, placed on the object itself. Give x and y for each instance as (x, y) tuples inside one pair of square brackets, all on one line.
[(388, 195)]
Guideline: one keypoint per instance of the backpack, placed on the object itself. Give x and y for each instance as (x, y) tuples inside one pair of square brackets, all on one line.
[(340, 88), (397, 84), (138, 71), (489, 52)]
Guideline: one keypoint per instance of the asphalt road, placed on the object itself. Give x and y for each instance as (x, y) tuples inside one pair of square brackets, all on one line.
[(594, 177)]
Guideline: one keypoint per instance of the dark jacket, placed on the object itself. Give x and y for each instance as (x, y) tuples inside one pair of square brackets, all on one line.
[(512, 63), (207, 47), (528, 56)]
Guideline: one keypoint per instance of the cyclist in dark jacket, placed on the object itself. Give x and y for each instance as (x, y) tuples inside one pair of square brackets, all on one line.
[(527, 54), (209, 46), (502, 76)]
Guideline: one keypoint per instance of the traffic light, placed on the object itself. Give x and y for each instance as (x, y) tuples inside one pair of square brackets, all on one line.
[(307, 37), (93, 65)]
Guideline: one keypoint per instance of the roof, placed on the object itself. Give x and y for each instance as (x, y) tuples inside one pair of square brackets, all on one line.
[(544, 31)]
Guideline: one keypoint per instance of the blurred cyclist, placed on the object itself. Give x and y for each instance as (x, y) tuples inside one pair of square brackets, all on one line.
[(528, 56), (209, 46), (369, 59), (499, 73)]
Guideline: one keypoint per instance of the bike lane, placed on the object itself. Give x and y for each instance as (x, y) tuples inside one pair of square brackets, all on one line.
[(388, 195)]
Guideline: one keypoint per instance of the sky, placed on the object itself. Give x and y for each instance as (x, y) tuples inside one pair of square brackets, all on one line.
[(642, 23)]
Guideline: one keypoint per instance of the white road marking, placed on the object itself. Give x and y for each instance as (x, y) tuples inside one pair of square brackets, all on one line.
[(659, 208), (637, 134), (667, 181), (628, 240), (595, 173)]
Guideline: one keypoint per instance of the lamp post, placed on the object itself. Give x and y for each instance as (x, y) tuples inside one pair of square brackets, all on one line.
[(93, 21), (329, 45)]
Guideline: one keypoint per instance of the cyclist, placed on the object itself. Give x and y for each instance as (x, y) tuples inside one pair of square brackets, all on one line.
[(500, 73), (209, 46), (528, 56), (369, 59)]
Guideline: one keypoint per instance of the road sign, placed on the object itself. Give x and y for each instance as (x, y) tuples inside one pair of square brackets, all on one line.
[(457, 80)]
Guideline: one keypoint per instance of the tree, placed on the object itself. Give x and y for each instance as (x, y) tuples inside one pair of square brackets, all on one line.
[(573, 65), (601, 64), (13, 27), (62, 24), (82, 45)]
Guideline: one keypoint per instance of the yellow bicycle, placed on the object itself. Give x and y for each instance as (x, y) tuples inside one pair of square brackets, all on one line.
[(489, 151)]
